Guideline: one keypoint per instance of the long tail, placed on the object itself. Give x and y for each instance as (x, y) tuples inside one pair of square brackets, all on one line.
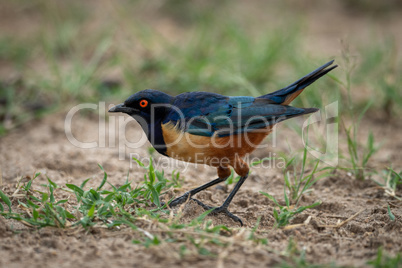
[(287, 94)]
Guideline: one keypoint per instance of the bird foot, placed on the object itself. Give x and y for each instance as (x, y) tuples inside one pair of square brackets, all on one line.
[(187, 196), (217, 210)]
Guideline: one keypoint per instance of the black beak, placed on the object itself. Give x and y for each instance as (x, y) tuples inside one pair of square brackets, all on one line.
[(118, 108), (122, 109)]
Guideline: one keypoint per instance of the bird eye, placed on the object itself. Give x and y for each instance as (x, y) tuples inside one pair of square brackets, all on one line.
[(143, 103)]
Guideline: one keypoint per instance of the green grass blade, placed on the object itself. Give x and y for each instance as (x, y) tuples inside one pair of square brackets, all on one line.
[(371, 149), (286, 197), (76, 189), (155, 196), (270, 197), (51, 196), (6, 200), (53, 184), (91, 211), (391, 216), (139, 162), (104, 178), (201, 217), (84, 183)]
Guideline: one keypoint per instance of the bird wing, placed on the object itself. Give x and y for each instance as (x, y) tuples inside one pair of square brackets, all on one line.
[(209, 114)]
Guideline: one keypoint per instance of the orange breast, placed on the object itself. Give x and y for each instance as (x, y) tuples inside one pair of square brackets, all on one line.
[(214, 151)]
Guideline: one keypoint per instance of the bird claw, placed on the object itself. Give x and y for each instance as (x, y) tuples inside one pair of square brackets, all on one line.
[(187, 196), (220, 209)]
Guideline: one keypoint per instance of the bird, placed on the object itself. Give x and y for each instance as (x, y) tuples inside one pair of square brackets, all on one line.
[(213, 129)]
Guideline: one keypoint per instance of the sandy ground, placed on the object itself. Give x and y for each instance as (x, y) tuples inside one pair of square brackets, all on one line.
[(353, 243)]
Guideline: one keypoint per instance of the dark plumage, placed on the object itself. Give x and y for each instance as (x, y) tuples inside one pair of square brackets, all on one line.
[(213, 129)]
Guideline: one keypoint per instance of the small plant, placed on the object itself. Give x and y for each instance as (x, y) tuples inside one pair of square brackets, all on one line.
[(297, 183), (297, 187), (391, 181), (154, 188), (285, 213), (296, 257), (176, 180), (41, 207), (384, 261), (300, 184), (359, 155), (359, 161)]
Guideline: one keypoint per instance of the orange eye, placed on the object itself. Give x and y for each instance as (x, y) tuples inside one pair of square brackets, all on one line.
[(144, 103)]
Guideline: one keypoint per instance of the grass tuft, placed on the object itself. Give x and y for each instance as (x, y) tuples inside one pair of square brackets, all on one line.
[(293, 190)]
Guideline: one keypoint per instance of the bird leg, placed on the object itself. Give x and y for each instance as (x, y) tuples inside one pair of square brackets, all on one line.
[(224, 208), (223, 173), (181, 199)]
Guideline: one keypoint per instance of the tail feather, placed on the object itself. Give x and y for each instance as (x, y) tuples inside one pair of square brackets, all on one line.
[(305, 111), (287, 94), (310, 110)]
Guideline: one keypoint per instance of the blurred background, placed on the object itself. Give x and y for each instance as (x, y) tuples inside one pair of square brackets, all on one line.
[(57, 53)]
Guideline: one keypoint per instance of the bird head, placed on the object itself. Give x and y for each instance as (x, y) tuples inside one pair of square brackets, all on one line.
[(146, 104)]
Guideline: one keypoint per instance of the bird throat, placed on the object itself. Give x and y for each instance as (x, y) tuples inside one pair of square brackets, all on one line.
[(155, 136)]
